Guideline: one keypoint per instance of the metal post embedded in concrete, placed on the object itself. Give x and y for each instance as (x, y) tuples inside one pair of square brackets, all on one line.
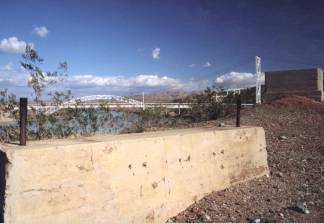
[(23, 120), (238, 111)]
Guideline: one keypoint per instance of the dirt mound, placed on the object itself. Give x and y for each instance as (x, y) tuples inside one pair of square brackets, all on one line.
[(295, 101)]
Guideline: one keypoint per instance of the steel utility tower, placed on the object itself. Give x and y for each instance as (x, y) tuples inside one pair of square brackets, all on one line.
[(258, 80), (143, 99)]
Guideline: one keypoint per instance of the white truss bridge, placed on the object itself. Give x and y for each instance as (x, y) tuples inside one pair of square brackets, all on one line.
[(102, 98), (111, 101), (114, 101)]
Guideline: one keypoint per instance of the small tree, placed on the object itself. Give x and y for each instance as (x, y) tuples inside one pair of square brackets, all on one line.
[(38, 79), (8, 102), (205, 106)]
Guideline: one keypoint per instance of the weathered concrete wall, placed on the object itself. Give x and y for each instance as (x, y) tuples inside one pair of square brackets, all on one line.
[(308, 82), (145, 177)]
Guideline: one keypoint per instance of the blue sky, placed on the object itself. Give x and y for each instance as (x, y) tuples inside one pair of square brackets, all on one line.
[(109, 45)]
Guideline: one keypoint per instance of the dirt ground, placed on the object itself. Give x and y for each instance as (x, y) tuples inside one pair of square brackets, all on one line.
[(295, 143)]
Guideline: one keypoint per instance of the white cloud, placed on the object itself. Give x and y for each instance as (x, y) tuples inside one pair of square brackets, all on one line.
[(15, 80), (7, 67), (20, 77), (192, 65), (9, 74), (142, 80), (41, 31), (156, 53), (237, 80), (121, 85), (207, 64), (13, 45)]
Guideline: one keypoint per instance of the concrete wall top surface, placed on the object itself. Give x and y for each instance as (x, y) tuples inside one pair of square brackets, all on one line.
[(297, 70), (41, 144)]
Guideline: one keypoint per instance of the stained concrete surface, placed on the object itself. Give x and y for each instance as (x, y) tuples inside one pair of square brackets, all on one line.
[(145, 177), (306, 82)]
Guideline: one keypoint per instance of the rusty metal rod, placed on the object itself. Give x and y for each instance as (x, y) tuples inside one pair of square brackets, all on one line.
[(23, 121), (238, 111)]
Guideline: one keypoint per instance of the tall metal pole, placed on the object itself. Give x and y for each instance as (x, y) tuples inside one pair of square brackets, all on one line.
[(238, 111), (23, 120), (258, 81), (143, 101)]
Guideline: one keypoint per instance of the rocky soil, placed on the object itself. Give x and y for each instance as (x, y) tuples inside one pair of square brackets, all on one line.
[(294, 192)]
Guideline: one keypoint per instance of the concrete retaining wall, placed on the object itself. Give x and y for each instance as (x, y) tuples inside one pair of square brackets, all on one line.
[(147, 177), (307, 82)]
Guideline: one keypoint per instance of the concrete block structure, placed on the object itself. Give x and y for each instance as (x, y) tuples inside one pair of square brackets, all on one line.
[(307, 82), (144, 177)]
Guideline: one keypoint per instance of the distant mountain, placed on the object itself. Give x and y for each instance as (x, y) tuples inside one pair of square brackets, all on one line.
[(166, 96)]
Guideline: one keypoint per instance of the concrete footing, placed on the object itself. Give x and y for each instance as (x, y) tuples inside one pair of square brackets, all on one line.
[(147, 177)]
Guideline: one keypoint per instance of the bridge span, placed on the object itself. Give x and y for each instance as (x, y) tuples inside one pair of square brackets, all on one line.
[(111, 101), (54, 108)]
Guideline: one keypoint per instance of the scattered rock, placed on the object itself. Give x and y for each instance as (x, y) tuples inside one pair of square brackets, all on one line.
[(233, 219), (280, 174), (206, 218), (283, 137), (195, 210), (257, 220), (261, 220), (222, 124), (301, 208)]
